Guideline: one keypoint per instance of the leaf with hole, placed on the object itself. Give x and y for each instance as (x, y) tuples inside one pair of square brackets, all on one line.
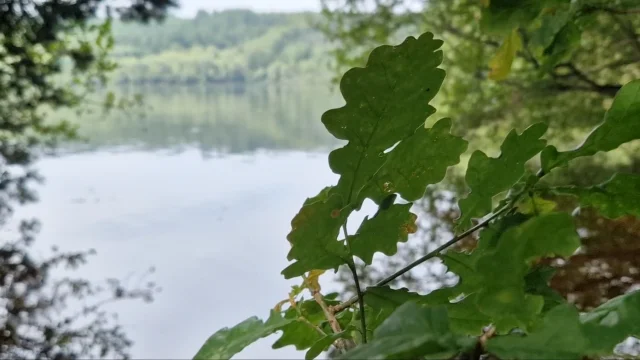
[(383, 232)]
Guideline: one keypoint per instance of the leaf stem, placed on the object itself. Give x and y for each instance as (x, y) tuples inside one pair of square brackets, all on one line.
[(424, 258), (341, 344), (360, 294)]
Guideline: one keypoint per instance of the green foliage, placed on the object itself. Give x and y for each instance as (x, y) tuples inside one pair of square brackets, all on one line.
[(502, 16), (383, 297), (619, 196), (560, 336), (387, 103), (620, 126), (416, 162), (612, 322), (230, 341), (302, 333), (488, 177), (411, 331), (232, 46), (386, 229), (503, 304), (566, 334), (495, 273), (321, 345)]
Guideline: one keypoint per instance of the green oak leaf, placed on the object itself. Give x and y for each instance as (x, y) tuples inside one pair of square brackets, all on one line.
[(502, 271), (303, 333), (495, 273), (374, 318), (509, 306), (537, 283), (419, 160), (381, 301), (466, 318), (385, 103), (619, 196), (313, 236), (564, 41), (298, 333), (502, 16), (229, 341), (550, 24), (322, 344), (612, 322), (620, 125), (384, 297), (412, 331), (546, 235), (383, 232), (487, 177), (463, 265), (560, 336)]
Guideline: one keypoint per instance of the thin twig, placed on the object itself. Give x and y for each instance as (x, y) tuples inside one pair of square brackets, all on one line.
[(354, 273), (341, 344), (315, 327), (426, 257), (612, 10)]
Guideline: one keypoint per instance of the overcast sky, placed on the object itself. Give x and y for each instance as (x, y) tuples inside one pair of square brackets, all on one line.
[(191, 7)]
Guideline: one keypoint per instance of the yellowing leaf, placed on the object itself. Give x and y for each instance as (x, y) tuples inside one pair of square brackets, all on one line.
[(312, 280), (536, 205), (501, 63)]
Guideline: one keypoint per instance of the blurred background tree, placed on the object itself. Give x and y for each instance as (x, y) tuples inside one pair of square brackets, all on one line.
[(511, 64), (53, 55)]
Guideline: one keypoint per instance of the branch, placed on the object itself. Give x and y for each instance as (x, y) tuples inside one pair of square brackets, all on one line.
[(341, 344), (607, 89), (426, 257), (612, 10), (628, 29), (354, 272), (528, 55)]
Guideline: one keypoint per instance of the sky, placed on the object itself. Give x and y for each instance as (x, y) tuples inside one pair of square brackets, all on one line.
[(189, 8)]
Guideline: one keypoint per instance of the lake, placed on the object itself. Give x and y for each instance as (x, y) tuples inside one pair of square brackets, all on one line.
[(203, 188)]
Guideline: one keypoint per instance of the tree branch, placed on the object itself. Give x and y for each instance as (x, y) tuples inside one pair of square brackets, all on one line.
[(607, 89), (612, 10), (354, 273), (426, 257)]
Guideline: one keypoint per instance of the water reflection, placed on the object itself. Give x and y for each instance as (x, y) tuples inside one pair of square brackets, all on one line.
[(234, 119), (213, 226)]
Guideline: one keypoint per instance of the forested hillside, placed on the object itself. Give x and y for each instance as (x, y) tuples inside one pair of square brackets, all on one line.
[(220, 47)]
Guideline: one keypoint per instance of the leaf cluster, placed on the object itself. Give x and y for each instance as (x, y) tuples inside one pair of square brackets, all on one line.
[(503, 304)]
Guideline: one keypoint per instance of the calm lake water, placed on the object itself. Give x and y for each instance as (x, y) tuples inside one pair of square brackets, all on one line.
[(203, 188)]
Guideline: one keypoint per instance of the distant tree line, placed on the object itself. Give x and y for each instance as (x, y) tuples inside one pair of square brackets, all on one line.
[(234, 46)]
